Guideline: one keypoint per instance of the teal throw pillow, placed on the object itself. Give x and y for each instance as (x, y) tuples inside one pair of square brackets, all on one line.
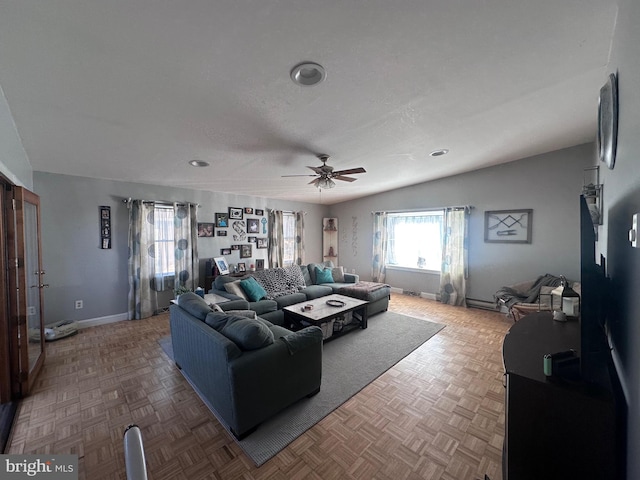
[(247, 333), (253, 289), (323, 276)]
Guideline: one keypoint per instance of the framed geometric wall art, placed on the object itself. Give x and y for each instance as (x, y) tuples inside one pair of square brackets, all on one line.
[(508, 226)]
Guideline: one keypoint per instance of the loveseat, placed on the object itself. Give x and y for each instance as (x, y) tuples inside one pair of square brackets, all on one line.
[(245, 369), (299, 283)]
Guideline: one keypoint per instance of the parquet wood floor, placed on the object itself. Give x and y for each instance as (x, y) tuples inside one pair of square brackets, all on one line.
[(437, 414)]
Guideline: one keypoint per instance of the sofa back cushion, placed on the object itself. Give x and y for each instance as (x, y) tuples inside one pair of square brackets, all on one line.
[(338, 274), (305, 274), (194, 304)]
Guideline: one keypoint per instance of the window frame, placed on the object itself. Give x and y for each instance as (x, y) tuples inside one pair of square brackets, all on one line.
[(417, 213), (286, 218)]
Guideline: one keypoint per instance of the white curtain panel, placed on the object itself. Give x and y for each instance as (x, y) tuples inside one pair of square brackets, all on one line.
[(276, 245), (143, 301), (378, 269), (454, 257)]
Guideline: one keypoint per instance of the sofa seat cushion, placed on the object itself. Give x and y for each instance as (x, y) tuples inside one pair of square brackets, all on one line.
[(194, 304), (246, 333), (317, 291), (286, 300), (263, 306)]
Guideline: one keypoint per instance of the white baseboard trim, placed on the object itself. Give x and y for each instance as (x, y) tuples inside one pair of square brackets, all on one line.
[(93, 322)]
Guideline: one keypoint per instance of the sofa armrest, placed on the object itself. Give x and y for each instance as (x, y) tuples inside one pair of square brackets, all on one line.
[(351, 278), (275, 377)]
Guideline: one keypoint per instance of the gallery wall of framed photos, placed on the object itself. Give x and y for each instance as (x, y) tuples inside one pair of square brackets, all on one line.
[(238, 234)]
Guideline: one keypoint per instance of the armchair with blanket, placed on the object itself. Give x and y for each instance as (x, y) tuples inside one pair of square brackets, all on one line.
[(531, 296)]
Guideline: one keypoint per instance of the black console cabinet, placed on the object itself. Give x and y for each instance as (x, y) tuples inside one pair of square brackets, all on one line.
[(554, 428)]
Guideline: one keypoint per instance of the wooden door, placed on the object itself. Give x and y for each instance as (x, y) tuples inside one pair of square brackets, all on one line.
[(25, 291)]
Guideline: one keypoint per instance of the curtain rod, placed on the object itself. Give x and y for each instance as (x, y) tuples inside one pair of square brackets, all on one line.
[(127, 201), (456, 207)]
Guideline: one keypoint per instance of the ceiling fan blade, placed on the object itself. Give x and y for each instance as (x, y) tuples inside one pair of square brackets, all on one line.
[(297, 175), (318, 170), (346, 179), (314, 182), (350, 171)]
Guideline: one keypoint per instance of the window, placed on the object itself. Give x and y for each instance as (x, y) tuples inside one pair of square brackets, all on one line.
[(414, 240), (289, 238), (164, 250)]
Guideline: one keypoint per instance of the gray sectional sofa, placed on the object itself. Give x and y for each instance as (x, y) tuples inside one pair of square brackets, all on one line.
[(245, 369), (298, 283)]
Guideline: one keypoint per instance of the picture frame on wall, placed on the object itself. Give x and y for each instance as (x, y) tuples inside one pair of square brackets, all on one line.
[(248, 211), (508, 226), (225, 251), (222, 220), (253, 225), (245, 251), (259, 212), (259, 264), (235, 213), (262, 243), (242, 267), (235, 247), (221, 233), (205, 229), (251, 239)]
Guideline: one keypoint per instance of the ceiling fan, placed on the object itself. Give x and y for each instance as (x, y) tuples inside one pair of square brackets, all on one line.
[(326, 174)]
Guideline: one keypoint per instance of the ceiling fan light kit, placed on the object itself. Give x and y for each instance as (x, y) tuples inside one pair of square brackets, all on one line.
[(308, 74), (325, 174)]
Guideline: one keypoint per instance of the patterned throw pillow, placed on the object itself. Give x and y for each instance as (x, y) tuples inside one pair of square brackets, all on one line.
[(235, 289), (338, 274)]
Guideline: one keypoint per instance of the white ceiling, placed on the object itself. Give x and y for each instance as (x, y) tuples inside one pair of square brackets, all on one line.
[(134, 89)]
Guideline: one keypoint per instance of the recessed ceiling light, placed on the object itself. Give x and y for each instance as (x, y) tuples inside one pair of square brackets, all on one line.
[(308, 74), (198, 163), (439, 153)]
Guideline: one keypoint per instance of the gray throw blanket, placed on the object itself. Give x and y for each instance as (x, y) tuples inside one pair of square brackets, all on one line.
[(510, 296)]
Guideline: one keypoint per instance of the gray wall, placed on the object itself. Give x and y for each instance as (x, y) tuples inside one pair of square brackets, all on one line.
[(76, 267), (549, 184), (14, 163), (621, 201)]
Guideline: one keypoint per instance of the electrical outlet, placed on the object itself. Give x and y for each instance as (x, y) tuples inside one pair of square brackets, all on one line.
[(78, 304), (31, 310)]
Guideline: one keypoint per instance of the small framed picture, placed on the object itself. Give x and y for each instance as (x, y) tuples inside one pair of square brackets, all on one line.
[(235, 213), (259, 212), (248, 211), (253, 225), (205, 229), (245, 251), (105, 212), (225, 251), (221, 233), (222, 220), (251, 239), (260, 264), (106, 243), (242, 267), (223, 266), (235, 247), (262, 243)]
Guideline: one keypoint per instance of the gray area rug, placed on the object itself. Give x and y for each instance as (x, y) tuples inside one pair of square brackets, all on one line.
[(349, 364)]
